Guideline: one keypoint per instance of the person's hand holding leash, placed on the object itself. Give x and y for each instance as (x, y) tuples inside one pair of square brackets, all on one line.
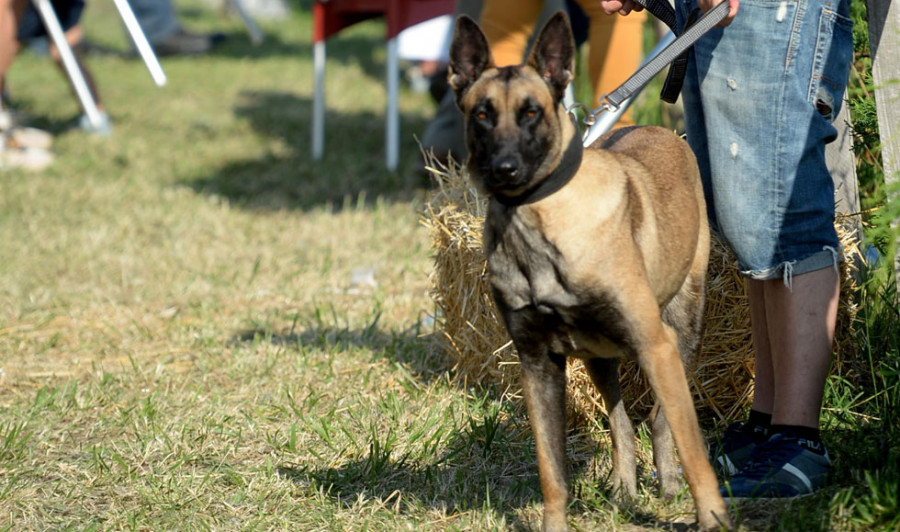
[(624, 7), (706, 5)]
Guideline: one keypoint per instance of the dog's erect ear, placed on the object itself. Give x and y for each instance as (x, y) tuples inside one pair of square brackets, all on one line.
[(469, 56), (553, 55)]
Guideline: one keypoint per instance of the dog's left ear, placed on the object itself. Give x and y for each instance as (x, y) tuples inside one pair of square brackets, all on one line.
[(469, 56), (553, 55)]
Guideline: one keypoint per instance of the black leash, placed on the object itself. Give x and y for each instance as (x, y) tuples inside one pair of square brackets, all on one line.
[(663, 11)]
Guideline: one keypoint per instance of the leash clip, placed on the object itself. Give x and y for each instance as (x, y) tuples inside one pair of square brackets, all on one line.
[(590, 117), (606, 105)]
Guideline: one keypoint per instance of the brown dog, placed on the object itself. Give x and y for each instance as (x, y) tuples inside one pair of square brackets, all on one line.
[(595, 254)]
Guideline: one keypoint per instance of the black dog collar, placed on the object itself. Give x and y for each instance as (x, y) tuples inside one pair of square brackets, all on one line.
[(557, 179)]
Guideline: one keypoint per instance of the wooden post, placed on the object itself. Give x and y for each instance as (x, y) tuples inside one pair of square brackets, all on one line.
[(884, 44), (841, 164)]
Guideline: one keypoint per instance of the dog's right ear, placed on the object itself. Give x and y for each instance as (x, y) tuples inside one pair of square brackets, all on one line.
[(469, 56)]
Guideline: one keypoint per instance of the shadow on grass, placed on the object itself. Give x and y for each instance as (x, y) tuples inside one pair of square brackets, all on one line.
[(353, 164), (414, 349), (448, 484), (472, 475), (489, 462), (476, 467), (470, 470)]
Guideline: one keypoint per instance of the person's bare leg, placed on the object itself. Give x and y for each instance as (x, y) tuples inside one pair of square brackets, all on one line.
[(763, 381), (10, 14), (74, 36), (19, 147), (798, 331)]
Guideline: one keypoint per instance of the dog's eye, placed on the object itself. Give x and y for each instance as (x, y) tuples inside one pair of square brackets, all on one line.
[(481, 115), (530, 112)]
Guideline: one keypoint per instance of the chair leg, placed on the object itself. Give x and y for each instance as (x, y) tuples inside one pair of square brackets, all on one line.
[(318, 118), (392, 133), (140, 42), (51, 22), (256, 35)]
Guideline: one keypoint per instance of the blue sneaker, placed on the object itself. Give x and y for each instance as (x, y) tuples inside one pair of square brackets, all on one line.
[(732, 452), (781, 468)]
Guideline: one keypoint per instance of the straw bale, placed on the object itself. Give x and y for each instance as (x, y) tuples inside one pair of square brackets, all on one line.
[(471, 331)]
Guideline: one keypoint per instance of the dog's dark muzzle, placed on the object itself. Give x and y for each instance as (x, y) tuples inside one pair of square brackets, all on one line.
[(506, 174)]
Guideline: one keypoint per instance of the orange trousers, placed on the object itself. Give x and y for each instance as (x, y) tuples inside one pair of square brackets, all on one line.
[(615, 42)]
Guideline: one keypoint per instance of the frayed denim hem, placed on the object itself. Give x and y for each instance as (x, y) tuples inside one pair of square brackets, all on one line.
[(829, 256)]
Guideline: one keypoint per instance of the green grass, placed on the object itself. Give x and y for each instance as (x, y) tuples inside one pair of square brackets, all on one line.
[(202, 328)]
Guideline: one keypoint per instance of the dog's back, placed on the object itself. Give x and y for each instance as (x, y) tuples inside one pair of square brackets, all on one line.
[(664, 187)]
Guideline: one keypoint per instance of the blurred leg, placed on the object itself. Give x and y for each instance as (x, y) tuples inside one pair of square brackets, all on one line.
[(615, 50), (508, 24), (73, 37), (10, 13)]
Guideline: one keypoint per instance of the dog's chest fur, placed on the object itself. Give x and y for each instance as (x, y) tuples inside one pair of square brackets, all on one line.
[(526, 267), (541, 301)]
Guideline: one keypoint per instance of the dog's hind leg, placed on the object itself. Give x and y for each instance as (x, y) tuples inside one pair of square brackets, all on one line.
[(544, 387), (664, 454), (605, 376), (685, 313)]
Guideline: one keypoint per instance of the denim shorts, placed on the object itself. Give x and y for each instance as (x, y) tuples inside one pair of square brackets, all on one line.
[(31, 26), (759, 97)]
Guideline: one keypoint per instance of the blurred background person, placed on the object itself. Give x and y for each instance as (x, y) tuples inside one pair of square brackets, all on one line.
[(615, 51), (166, 34)]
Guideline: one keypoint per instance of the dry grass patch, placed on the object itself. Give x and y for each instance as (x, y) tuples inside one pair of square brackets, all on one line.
[(201, 328)]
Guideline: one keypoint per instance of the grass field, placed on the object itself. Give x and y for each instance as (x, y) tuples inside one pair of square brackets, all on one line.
[(202, 328)]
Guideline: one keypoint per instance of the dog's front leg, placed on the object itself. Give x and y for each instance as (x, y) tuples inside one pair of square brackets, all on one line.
[(660, 360), (544, 386)]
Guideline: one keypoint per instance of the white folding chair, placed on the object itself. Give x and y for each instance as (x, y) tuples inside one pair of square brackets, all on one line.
[(329, 17), (256, 35)]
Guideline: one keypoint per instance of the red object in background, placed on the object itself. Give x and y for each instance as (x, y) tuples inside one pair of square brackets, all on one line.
[(331, 16)]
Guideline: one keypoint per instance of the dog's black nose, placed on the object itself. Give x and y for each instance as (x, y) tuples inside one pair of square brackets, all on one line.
[(505, 167)]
